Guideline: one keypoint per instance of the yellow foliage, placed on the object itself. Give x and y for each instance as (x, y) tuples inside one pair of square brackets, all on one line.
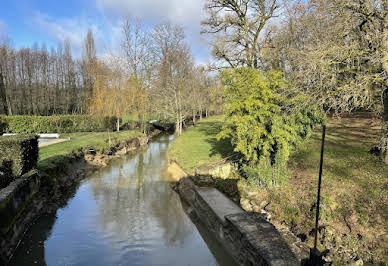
[(114, 92)]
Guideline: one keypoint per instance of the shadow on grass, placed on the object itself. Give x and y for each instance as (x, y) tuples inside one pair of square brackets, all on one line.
[(223, 146)]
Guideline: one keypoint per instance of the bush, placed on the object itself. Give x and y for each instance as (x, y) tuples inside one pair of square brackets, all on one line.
[(5, 176), (3, 126), (18, 154), (56, 124), (264, 120)]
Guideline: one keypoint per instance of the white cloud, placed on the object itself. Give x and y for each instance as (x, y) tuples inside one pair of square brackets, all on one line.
[(178, 11), (187, 13), (72, 29), (105, 20)]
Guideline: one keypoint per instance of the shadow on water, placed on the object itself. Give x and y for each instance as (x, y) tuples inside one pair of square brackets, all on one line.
[(123, 214)]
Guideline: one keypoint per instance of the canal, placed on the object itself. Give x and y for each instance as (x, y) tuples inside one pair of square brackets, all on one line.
[(123, 214)]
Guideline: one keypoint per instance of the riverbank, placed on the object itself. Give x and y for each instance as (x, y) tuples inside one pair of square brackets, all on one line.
[(60, 170), (354, 191), (198, 145), (82, 140)]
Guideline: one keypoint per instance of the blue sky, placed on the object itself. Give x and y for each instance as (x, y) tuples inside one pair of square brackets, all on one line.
[(52, 21)]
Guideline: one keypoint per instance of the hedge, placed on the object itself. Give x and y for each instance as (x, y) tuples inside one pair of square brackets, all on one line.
[(5, 176), (18, 155), (3, 126), (55, 124)]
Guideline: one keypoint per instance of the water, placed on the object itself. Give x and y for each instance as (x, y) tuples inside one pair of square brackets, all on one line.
[(124, 214)]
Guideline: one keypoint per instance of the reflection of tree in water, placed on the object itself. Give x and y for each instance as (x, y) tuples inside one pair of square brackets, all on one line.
[(135, 204)]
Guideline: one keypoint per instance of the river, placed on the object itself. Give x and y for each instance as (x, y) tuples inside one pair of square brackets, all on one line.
[(123, 214)]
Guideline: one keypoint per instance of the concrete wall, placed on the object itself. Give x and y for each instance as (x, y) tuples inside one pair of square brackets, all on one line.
[(248, 237)]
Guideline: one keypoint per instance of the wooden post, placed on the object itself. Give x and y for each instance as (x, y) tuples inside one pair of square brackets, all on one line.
[(319, 186), (316, 257)]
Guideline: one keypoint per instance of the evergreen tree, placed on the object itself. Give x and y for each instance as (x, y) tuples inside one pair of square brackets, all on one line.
[(264, 120)]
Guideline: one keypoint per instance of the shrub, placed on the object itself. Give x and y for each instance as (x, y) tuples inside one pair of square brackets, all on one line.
[(56, 124), (19, 154), (3, 126), (5, 176), (264, 120)]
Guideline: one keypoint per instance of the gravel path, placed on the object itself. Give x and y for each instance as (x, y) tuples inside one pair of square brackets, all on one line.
[(47, 142)]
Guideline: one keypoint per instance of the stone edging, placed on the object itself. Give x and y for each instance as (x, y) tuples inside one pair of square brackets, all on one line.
[(248, 237)]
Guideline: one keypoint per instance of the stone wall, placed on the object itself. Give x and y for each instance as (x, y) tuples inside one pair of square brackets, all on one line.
[(16, 211), (248, 237)]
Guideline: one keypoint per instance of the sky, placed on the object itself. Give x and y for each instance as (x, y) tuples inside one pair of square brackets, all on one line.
[(53, 21)]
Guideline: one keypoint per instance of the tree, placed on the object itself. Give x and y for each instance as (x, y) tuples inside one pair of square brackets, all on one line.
[(264, 121), (114, 93), (236, 27), (333, 50), (3, 95), (89, 61), (174, 66), (136, 50), (199, 85), (39, 82), (89, 48)]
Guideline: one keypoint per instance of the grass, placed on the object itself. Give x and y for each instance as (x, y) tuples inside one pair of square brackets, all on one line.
[(198, 145), (96, 140), (354, 214), (354, 190)]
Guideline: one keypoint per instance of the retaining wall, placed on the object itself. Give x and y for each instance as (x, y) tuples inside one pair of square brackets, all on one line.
[(248, 237)]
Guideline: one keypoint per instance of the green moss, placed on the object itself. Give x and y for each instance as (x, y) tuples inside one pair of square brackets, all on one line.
[(5, 205), (6, 228)]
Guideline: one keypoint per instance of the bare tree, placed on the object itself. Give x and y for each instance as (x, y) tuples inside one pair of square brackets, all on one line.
[(174, 66), (89, 48), (236, 27), (136, 44), (136, 50)]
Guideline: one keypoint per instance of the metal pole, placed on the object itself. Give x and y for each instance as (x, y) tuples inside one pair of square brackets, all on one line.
[(319, 186)]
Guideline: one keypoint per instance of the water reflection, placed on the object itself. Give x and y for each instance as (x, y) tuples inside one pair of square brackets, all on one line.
[(125, 214)]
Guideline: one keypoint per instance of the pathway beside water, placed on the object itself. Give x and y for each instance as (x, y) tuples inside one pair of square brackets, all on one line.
[(123, 214)]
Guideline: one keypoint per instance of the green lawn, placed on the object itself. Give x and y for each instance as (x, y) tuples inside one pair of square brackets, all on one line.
[(198, 145), (97, 140), (354, 190), (354, 187)]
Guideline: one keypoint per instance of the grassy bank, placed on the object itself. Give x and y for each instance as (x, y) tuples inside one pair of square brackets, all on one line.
[(354, 214), (96, 140), (354, 190), (198, 145)]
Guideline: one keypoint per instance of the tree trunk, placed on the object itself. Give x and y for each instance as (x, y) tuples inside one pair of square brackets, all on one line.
[(384, 137), (177, 126), (3, 95), (194, 117), (118, 124)]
